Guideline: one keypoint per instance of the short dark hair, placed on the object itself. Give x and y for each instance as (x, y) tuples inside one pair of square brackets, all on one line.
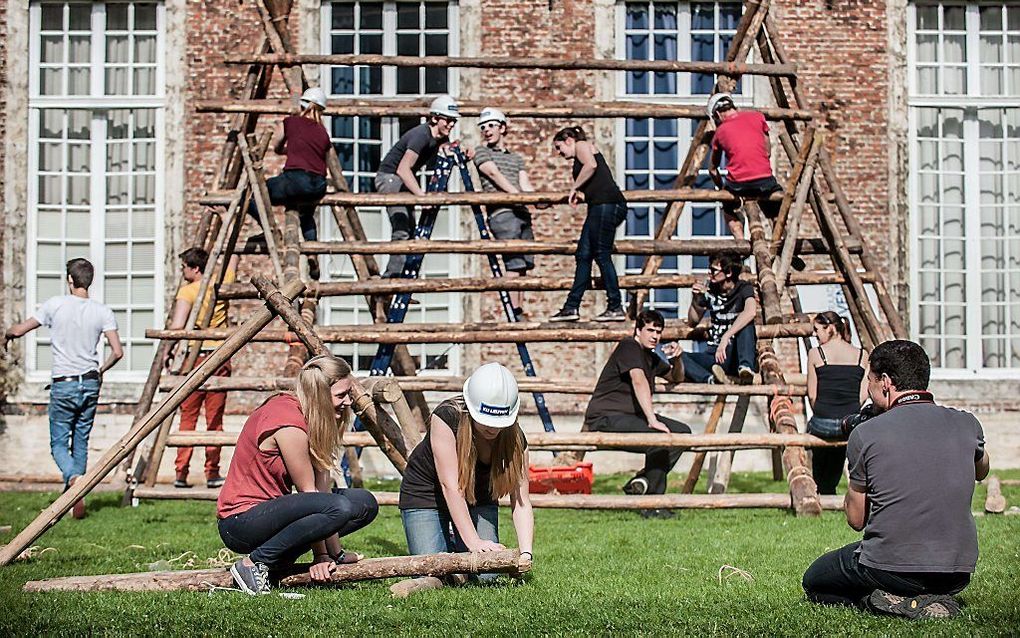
[(650, 317), (905, 363), (731, 263), (195, 258), (81, 271)]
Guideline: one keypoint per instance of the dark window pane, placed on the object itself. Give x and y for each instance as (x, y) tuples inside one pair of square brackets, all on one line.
[(637, 221), (370, 128), (405, 124), (637, 82), (700, 262), (145, 17), (343, 15), (637, 127), (729, 15), (665, 156), (664, 182), (371, 43), (724, 46), (407, 81), (370, 80), (665, 127), (637, 182), (407, 44), (701, 83), (637, 47), (637, 16), (635, 262), (703, 47), (435, 15), (637, 156), (52, 17), (116, 17), (407, 15), (436, 81), (702, 221), (368, 157), (364, 185), (342, 80), (665, 47), (79, 17), (371, 15), (665, 83), (345, 151), (343, 127), (665, 16), (342, 43), (703, 16), (436, 45)]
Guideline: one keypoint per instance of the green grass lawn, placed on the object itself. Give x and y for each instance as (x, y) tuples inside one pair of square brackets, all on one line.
[(594, 573)]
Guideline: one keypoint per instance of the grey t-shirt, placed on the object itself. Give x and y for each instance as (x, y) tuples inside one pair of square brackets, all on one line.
[(916, 464), (75, 325), (509, 164), (420, 140)]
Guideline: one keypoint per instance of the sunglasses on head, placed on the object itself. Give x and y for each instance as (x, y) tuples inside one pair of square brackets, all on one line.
[(715, 269)]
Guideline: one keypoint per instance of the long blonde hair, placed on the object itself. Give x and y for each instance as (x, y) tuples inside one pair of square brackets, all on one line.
[(325, 433), (312, 112), (506, 466)]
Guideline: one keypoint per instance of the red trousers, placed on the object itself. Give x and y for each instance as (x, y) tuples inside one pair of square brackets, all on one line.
[(214, 403)]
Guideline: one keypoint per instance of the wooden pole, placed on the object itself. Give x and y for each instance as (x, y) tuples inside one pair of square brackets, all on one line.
[(263, 204), (511, 199), (699, 457), (995, 502), (507, 561), (719, 479), (48, 517), (769, 291), (414, 107), (501, 62), (387, 390), (796, 214), (795, 185)]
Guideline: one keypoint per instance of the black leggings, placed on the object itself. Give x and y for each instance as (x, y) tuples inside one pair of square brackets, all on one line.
[(838, 578), (278, 531)]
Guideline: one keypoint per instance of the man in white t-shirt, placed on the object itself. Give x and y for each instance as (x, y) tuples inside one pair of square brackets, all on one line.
[(75, 323)]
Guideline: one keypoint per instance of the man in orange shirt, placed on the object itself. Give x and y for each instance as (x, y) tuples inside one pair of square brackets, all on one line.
[(193, 262)]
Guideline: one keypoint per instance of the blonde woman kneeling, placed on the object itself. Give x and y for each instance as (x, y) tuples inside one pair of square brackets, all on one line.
[(292, 440), (473, 454)]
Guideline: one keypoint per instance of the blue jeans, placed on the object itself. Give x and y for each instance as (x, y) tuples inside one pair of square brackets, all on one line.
[(278, 531), (72, 411), (740, 352), (596, 244), (431, 531), (299, 190)]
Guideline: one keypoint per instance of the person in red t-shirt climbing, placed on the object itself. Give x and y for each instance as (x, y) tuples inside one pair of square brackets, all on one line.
[(305, 142), (744, 137)]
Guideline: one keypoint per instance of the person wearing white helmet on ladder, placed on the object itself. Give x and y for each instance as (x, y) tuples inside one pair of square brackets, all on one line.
[(398, 169), (502, 170), (473, 454), (743, 136), (305, 142)]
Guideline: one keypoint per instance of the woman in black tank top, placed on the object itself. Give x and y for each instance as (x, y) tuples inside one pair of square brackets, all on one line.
[(837, 387), (607, 209)]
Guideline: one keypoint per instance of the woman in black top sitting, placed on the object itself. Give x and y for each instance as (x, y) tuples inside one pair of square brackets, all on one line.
[(606, 210), (837, 386)]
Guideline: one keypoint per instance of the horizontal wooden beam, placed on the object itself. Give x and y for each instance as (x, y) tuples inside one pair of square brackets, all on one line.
[(223, 198), (388, 107), (461, 333), (700, 247), (525, 384), (491, 284), (570, 501), (506, 62), (503, 561)]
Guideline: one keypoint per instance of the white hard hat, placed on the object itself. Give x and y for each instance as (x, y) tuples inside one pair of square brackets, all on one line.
[(313, 95), (446, 106), (716, 101), (490, 114), (491, 396)]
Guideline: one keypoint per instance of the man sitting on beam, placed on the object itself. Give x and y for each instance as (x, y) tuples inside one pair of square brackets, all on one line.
[(622, 402)]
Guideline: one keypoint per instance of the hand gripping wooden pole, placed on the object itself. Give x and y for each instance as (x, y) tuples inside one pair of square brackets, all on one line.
[(376, 421), (49, 516)]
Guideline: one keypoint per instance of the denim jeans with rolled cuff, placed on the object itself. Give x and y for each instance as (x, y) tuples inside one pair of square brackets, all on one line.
[(72, 411), (431, 531), (742, 351)]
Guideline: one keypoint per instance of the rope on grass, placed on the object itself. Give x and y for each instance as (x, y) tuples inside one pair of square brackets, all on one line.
[(734, 571)]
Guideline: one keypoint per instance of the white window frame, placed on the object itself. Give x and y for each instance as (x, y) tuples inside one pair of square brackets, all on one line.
[(98, 103), (972, 101), (448, 224)]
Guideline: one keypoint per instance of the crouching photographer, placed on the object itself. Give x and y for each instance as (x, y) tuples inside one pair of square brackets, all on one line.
[(912, 472)]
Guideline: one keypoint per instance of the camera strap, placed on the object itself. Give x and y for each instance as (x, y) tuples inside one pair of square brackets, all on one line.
[(913, 397)]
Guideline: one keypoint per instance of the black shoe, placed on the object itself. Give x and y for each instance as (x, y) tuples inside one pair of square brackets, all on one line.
[(612, 314), (658, 513), (253, 580), (924, 606), (181, 483), (518, 313), (313, 268), (746, 375), (797, 264), (636, 486), (566, 314), (215, 482)]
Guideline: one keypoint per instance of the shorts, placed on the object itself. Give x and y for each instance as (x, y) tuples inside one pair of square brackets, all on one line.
[(513, 223)]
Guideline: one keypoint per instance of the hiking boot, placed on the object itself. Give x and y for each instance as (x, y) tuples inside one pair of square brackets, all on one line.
[(253, 580), (566, 314), (78, 510), (214, 482), (636, 486), (181, 483), (313, 268), (746, 375), (658, 513), (612, 314), (719, 374), (924, 606)]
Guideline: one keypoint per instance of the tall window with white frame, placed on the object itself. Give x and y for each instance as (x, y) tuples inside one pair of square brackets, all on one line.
[(95, 112), (655, 148), (392, 28), (965, 183)]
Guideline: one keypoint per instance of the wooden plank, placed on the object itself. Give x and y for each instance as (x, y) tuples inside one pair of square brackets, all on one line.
[(719, 480), (768, 290), (699, 457), (995, 502)]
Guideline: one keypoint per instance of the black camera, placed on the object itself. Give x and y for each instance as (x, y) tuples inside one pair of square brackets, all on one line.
[(851, 421)]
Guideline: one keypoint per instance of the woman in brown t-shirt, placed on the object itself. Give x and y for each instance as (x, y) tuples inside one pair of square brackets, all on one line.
[(292, 440)]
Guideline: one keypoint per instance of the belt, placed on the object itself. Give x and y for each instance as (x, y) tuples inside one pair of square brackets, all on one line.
[(91, 374)]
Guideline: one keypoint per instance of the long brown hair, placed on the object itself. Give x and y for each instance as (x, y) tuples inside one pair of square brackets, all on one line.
[(571, 132), (507, 463), (830, 318), (325, 433)]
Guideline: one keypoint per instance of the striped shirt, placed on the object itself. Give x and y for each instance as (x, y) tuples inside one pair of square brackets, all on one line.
[(510, 164)]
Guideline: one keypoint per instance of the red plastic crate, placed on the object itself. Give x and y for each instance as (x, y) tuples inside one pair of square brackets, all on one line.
[(564, 479)]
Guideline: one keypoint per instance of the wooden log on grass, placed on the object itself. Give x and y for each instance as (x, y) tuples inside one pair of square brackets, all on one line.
[(995, 502), (241, 336), (507, 561)]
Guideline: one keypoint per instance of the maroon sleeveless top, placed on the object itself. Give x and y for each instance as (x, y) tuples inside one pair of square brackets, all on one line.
[(257, 475), (307, 145)]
